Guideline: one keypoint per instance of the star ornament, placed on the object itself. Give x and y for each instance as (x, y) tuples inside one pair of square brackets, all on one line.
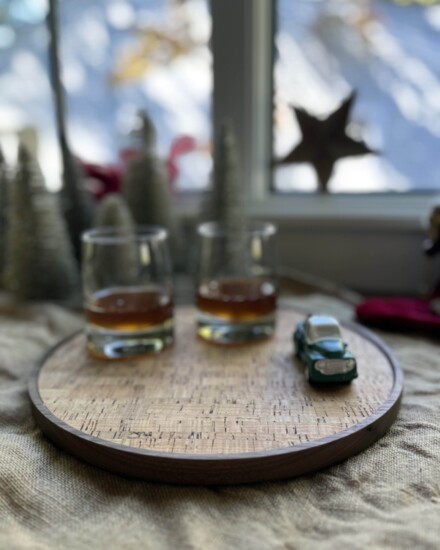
[(324, 141)]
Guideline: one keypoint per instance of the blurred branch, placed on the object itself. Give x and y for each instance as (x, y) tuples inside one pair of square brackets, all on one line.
[(57, 86), (76, 202)]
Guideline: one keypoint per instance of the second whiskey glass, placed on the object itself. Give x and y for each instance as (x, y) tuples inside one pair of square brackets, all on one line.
[(236, 283)]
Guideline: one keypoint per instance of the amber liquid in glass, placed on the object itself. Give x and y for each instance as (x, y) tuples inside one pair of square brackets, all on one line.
[(237, 300), (129, 309), (122, 322)]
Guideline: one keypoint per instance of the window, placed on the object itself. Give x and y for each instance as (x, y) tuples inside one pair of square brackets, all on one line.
[(122, 55), (370, 242)]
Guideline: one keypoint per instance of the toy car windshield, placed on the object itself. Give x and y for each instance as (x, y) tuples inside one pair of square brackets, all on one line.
[(321, 328)]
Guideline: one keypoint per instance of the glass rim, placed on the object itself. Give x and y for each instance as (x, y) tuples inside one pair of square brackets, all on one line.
[(113, 235), (253, 228)]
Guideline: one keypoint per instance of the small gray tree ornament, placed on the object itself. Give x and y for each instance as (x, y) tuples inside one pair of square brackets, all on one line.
[(114, 212), (121, 263), (39, 259), (224, 200), (146, 187)]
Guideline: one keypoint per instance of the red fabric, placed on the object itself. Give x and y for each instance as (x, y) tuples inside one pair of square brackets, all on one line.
[(127, 155), (180, 146), (109, 178), (104, 179), (399, 313)]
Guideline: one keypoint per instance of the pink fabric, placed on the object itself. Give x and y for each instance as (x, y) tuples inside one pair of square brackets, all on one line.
[(399, 313)]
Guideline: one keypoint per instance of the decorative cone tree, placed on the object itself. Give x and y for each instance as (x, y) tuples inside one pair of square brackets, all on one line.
[(114, 212), (224, 200), (120, 262), (39, 260), (146, 188)]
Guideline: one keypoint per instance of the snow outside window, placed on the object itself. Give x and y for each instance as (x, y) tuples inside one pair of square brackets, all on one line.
[(388, 52)]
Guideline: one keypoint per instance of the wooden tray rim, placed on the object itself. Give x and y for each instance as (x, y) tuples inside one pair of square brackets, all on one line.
[(390, 405)]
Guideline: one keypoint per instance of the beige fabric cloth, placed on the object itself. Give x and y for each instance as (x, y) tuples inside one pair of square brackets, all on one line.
[(386, 497)]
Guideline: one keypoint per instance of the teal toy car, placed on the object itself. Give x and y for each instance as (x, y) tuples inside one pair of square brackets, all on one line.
[(318, 344)]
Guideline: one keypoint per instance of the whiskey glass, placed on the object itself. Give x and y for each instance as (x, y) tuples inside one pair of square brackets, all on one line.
[(236, 283), (127, 291)]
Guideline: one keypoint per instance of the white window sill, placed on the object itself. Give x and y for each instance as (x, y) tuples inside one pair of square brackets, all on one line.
[(372, 244), (398, 212)]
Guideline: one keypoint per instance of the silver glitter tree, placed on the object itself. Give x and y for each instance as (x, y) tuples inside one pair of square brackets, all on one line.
[(146, 187), (224, 199), (39, 259)]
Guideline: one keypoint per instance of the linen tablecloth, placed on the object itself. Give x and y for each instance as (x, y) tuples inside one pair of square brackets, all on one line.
[(386, 497)]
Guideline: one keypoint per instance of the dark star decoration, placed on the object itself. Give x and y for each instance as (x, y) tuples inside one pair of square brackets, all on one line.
[(324, 141)]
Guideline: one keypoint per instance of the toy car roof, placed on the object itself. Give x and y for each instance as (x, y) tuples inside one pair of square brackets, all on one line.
[(321, 327)]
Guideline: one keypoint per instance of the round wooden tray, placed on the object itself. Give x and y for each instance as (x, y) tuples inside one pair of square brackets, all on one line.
[(204, 414)]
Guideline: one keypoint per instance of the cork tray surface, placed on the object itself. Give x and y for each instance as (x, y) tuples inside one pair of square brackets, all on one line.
[(200, 413)]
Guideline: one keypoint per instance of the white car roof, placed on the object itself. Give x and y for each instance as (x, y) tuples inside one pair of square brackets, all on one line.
[(321, 327)]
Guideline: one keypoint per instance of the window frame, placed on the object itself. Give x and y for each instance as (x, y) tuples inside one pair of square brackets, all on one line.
[(365, 225)]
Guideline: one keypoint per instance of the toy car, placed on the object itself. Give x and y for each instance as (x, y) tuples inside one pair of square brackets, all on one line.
[(318, 344)]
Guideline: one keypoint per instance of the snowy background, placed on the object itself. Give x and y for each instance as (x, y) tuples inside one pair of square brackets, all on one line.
[(390, 54), (121, 55), (97, 37)]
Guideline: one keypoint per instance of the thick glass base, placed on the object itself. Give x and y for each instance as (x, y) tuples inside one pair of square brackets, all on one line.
[(105, 343), (221, 331)]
